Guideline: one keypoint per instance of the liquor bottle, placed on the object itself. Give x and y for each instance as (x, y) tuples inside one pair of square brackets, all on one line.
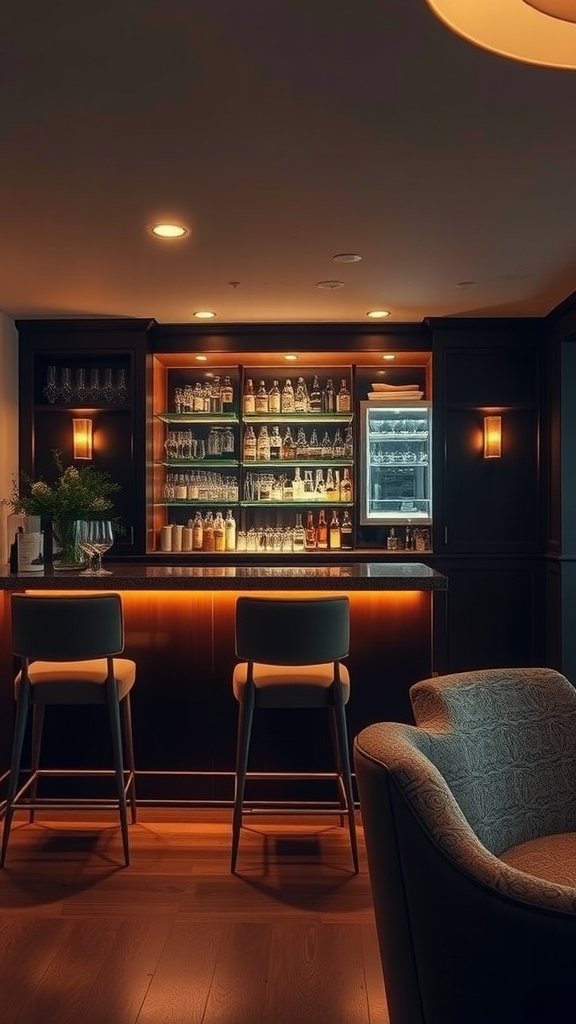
[(288, 445), (261, 399), (326, 446), (249, 399), (329, 397), (230, 531), (275, 443), (320, 486), (192, 492), (301, 396), (298, 534), (343, 402), (314, 449), (208, 533), (346, 532), (274, 399), (276, 489), (249, 450), (298, 486), (308, 483), (348, 444), (287, 397), (334, 534), (322, 532), (338, 446), (315, 403), (392, 540), (219, 533), (409, 542), (301, 444), (227, 395), (198, 398), (331, 493), (346, 486), (216, 396), (310, 533), (197, 532), (181, 490), (263, 445), (287, 489)]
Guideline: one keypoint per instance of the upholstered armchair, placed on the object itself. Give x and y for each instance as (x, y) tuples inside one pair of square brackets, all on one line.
[(470, 825)]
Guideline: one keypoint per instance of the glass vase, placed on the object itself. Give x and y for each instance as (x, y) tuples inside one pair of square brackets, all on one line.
[(66, 552)]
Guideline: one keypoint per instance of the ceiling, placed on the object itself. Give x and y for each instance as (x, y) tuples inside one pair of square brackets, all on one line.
[(282, 132)]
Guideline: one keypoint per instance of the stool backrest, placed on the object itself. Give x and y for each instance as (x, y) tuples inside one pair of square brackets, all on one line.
[(292, 631), (67, 628)]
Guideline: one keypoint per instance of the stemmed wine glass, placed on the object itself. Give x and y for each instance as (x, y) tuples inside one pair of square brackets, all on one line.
[(97, 537), (85, 545)]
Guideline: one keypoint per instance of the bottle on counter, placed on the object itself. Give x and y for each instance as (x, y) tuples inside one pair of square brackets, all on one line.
[(346, 532), (249, 399)]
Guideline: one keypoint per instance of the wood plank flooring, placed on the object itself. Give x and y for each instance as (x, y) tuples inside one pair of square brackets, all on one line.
[(175, 938)]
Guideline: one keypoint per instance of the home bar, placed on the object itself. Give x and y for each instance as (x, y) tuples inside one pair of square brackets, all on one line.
[(381, 481)]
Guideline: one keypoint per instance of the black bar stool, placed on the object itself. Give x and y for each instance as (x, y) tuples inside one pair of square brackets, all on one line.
[(292, 651), (68, 648)]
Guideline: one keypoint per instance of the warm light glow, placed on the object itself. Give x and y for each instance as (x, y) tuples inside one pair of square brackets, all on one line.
[(201, 359), (378, 314), (204, 314), (492, 437), (290, 358), (169, 230), (388, 356), (82, 438), (533, 31)]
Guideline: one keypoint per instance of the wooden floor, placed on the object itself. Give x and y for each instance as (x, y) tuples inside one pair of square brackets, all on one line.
[(176, 939)]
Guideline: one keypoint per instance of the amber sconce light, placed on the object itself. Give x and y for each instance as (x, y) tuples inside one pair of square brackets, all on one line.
[(82, 438), (492, 437)]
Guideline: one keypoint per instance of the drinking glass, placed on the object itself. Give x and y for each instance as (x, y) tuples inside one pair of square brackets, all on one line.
[(85, 544), (101, 539)]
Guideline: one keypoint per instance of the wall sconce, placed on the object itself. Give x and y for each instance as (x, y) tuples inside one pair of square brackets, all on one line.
[(82, 438), (492, 437)]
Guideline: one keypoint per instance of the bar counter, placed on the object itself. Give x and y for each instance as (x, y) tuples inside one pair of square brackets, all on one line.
[(179, 629)]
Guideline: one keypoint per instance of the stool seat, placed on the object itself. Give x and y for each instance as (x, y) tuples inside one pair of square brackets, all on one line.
[(76, 682), (299, 686)]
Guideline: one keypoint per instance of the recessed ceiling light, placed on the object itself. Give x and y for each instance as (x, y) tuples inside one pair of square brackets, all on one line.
[(201, 359), (330, 286), (291, 358), (204, 314), (388, 356), (169, 230), (377, 314), (347, 257)]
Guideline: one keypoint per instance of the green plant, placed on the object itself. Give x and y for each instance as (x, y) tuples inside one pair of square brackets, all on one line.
[(75, 494)]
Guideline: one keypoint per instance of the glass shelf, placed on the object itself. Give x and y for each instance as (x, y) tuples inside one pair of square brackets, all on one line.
[(295, 463), (197, 417), (396, 436), (311, 504), (198, 463), (296, 417)]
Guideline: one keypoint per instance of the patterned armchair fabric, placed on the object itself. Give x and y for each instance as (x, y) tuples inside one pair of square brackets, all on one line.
[(470, 823)]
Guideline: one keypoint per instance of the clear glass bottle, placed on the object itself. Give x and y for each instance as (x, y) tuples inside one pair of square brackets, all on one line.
[(287, 397), (315, 400), (329, 396), (275, 444), (320, 486), (261, 399), (288, 445), (249, 447), (274, 399), (216, 396), (301, 444), (301, 396), (197, 398), (348, 444), (249, 399), (263, 445), (51, 389), (230, 531), (208, 533), (219, 533), (314, 449), (331, 494), (298, 534), (346, 493), (197, 532), (326, 446), (392, 540), (298, 485)]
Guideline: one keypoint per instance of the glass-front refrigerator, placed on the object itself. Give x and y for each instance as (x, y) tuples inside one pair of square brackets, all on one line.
[(395, 463)]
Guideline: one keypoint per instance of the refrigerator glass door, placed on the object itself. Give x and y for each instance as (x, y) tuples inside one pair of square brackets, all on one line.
[(395, 465)]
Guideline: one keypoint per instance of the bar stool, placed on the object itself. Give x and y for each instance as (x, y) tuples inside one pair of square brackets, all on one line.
[(291, 651), (68, 648)]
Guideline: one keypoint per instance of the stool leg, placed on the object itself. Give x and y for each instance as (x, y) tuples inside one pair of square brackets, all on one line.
[(17, 744), (341, 728), (114, 709), (339, 766), (129, 747), (37, 729), (245, 716)]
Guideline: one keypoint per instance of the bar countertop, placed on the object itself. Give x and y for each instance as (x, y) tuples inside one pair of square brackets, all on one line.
[(353, 576)]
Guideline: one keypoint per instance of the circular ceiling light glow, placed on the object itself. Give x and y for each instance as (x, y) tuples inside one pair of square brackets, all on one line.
[(378, 314), (532, 31), (169, 230), (347, 257), (204, 314), (330, 286)]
